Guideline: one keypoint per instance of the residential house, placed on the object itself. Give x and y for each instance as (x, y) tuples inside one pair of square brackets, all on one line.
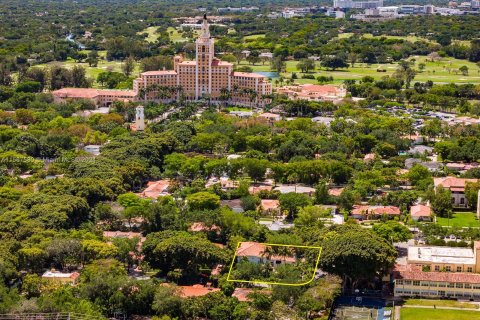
[(61, 277), (456, 187), (269, 207), (197, 290), (156, 189), (362, 212), (421, 212), (258, 253), (288, 188)]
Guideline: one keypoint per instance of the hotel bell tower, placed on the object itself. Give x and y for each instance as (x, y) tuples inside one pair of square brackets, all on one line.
[(204, 57)]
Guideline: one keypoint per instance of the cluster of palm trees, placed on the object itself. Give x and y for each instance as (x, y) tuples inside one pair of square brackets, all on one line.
[(167, 92), (162, 92)]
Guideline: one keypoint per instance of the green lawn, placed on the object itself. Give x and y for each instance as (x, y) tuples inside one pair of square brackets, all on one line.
[(93, 72), (460, 219), (152, 34), (441, 303), (175, 35), (444, 71), (437, 314)]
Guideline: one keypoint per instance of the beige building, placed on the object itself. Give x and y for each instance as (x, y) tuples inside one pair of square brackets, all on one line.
[(456, 187), (205, 78), (411, 281), (446, 259)]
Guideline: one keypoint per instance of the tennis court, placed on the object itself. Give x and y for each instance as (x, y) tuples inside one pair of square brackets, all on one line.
[(357, 313)]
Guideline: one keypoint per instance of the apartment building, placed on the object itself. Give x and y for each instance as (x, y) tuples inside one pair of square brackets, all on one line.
[(411, 281)]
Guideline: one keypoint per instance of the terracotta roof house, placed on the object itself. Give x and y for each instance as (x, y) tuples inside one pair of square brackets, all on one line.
[(61, 277), (268, 206), (257, 253), (197, 290), (254, 189), (200, 226), (456, 187), (101, 98), (335, 192), (421, 212), (361, 212), (155, 189)]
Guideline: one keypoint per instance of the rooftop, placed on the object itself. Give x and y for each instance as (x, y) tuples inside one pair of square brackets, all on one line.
[(196, 290), (420, 210), (452, 182), (432, 254), (61, 275), (159, 73), (411, 272), (155, 189), (90, 93)]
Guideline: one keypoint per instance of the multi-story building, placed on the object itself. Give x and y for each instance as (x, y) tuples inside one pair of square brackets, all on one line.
[(446, 259), (353, 4), (456, 187), (204, 78), (411, 281), (439, 272)]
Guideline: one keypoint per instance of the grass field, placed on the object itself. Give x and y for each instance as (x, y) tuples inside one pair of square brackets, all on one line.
[(440, 72), (93, 72), (152, 34), (441, 303), (460, 219), (175, 35), (437, 314)]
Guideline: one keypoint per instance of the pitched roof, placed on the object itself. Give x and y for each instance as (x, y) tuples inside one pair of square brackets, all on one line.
[(420, 211), (268, 204), (196, 290), (90, 93), (452, 182), (242, 294), (200, 226), (378, 210), (412, 272), (155, 189), (250, 249)]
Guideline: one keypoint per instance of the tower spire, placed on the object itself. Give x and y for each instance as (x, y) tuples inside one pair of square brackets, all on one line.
[(205, 27)]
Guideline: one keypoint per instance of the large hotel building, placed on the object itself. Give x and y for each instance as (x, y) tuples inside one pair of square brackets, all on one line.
[(205, 78)]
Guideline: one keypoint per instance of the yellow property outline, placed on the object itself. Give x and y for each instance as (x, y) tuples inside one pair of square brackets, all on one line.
[(277, 283)]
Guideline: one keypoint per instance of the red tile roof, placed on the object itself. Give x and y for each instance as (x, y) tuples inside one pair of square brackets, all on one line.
[(200, 226), (268, 204), (453, 183), (377, 210), (412, 272), (155, 189), (196, 290), (257, 189), (420, 211), (335, 192), (255, 249), (90, 93)]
